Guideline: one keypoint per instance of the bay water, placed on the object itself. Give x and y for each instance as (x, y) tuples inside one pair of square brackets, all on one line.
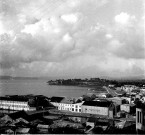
[(39, 87)]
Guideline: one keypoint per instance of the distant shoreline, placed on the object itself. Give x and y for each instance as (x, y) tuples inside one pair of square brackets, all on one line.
[(91, 88), (75, 85)]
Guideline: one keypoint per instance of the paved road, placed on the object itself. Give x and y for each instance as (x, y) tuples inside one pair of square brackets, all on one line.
[(110, 91)]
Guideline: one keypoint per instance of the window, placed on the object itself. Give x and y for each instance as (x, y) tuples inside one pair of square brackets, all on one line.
[(76, 106), (72, 109), (76, 110), (79, 110), (138, 116)]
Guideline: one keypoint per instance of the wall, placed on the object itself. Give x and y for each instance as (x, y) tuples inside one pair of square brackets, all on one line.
[(95, 110), (140, 119), (15, 105), (125, 108), (68, 107)]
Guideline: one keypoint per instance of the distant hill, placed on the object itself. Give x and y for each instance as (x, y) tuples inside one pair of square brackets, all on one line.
[(16, 78), (5, 77), (24, 78)]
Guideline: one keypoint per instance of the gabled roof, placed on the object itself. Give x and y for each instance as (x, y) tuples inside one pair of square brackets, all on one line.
[(67, 100), (97, 103), (15, 98), (28, 116), (56, 99), (22, 98), (19, 114)]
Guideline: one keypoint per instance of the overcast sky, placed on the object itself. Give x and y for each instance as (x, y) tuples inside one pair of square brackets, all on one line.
[(72, 38)]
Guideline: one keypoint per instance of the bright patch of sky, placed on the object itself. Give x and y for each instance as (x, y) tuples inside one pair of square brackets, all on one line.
[(72, 38)]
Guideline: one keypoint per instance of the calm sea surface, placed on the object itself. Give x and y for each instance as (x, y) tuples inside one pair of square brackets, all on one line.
[(20, 87)]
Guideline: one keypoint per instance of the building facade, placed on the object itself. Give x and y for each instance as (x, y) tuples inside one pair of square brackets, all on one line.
[(140, 119), (104, 108), (13, 104), (65, 104), (24, 102)]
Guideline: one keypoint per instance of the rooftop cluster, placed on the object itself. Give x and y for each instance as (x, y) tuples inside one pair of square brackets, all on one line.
[(116, 111)]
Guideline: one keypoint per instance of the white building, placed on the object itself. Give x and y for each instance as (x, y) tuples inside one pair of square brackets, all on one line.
[(128, 88), (24, 102), (15, 104), (66, 104)]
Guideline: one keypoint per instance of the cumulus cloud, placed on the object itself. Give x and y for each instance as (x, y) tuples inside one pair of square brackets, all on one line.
[(71, 18), (49, 38), (129, 36), (124, 18)]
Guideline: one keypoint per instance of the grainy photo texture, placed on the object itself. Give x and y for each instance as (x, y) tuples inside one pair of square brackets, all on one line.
[(72, 66)]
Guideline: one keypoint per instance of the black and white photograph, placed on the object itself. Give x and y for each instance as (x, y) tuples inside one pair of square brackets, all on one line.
[(72, 66)]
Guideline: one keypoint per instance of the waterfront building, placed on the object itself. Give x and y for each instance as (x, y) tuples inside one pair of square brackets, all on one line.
[(66, 104), (103, 108), (24, 102), (56, 101), (9, 103), (77, 107)]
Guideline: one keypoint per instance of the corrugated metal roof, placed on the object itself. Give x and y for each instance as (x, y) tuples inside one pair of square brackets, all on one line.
[(97, 103)]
